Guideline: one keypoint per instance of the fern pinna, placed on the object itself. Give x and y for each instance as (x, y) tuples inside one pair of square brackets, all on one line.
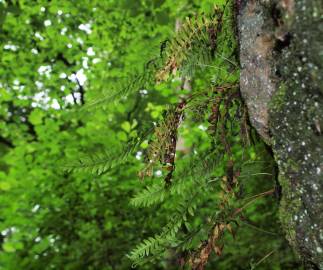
[(204, 45)]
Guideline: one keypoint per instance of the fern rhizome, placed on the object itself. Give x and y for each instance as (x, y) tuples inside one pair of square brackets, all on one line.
[(203, 45)]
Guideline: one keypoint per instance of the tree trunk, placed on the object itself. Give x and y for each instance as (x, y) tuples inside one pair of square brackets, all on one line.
[(281, 57)]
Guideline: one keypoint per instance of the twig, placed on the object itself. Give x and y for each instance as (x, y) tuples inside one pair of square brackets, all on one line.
[(264, 258), (254, 198)]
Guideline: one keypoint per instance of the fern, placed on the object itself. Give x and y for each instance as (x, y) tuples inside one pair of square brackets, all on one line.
[(97, 163), (100, 162), (195, 185), (166, 239), (190, 48), (123, 87), (186, 191), (195, 42), (194, 174), (150, 196)]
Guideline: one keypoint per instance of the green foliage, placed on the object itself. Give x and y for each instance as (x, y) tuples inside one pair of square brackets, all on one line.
[(61, 65)]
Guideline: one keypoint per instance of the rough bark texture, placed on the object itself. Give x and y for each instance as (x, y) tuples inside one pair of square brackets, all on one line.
[(281, 55)]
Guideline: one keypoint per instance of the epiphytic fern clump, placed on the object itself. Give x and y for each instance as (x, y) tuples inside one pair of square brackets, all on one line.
[(213, 105)]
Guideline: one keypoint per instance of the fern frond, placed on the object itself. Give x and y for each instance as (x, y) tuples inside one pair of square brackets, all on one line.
[(103, 161), (195, 42), (158, 193), (194, 174), (167, 238), (157, 244), (97, 163), (150, 196), (124, 87)]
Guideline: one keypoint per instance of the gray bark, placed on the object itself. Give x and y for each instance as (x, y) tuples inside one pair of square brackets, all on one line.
[(281, 57)]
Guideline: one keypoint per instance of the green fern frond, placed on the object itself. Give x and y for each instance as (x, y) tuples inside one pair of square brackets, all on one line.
[(101, 162), (97, 163), (158, 193), (155, 245), (194, 174), (124, 87), (167, 238), (150, 196)]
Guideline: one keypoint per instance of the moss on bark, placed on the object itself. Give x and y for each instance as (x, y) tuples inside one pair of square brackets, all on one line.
[(295, 122), (294, 111)]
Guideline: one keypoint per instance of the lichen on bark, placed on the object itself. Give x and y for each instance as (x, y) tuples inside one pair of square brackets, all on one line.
[(256, 58), (286, 85)]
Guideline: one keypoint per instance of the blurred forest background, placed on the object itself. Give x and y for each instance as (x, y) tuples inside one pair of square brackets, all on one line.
[(56, 57)]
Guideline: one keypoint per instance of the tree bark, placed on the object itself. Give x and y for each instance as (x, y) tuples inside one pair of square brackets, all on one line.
[(281, 57)]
